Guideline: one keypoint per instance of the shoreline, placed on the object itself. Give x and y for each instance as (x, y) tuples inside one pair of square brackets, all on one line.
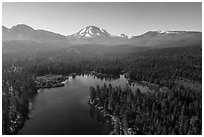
[(51, 81), (113, 119)]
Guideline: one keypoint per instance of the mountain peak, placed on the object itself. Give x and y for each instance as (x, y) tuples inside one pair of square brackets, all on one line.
[(91, 32), (4, 30), (92, 26), (4, 27), (123, 35), (21, 27)]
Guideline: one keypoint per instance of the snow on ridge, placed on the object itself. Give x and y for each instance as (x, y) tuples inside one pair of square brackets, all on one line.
[(87, 35), (82, 31), (89, 31), (169, 32), (125, 36), (130, 36), (101, 29), (92, 31)]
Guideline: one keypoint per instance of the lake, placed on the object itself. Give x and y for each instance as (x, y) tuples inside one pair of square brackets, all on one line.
[(64, 110)]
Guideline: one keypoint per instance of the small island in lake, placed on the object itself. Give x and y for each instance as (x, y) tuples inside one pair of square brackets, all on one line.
[(50, 81)]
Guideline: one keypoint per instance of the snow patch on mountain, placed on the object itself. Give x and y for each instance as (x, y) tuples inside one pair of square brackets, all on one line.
[(82, 31), (88, 35), (170, 32), (96, 32), (91, 32), (126, 36)]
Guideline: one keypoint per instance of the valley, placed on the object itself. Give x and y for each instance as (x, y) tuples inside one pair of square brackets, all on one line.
[(136, 80)]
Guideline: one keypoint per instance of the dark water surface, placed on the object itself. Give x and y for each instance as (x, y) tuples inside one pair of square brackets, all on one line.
[(64, 110)]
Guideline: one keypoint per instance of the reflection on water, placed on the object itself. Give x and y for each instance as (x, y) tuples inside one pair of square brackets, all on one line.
[(64, 110)]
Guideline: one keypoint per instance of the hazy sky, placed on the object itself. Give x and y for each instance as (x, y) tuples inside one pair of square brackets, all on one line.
[(116, 18)]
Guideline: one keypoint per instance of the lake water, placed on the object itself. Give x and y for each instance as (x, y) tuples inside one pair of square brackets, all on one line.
[(63, 111)]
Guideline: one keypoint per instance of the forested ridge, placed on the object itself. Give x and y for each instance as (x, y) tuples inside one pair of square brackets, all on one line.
[(177, 112), (154, 65), (18, 87), (159, 66)]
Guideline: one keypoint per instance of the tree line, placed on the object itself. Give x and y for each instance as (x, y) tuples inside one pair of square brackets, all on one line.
[(158, 66), (176, 112), (18, 87)]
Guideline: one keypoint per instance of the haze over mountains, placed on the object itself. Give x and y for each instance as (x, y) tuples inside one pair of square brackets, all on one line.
[(25, 36), (23, 32)]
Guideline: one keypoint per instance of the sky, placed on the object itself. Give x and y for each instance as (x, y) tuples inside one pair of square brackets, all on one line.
[(129, 18)]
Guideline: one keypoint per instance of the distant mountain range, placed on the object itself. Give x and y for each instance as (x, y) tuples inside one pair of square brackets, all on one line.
[(93, 35), (23, 32)]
